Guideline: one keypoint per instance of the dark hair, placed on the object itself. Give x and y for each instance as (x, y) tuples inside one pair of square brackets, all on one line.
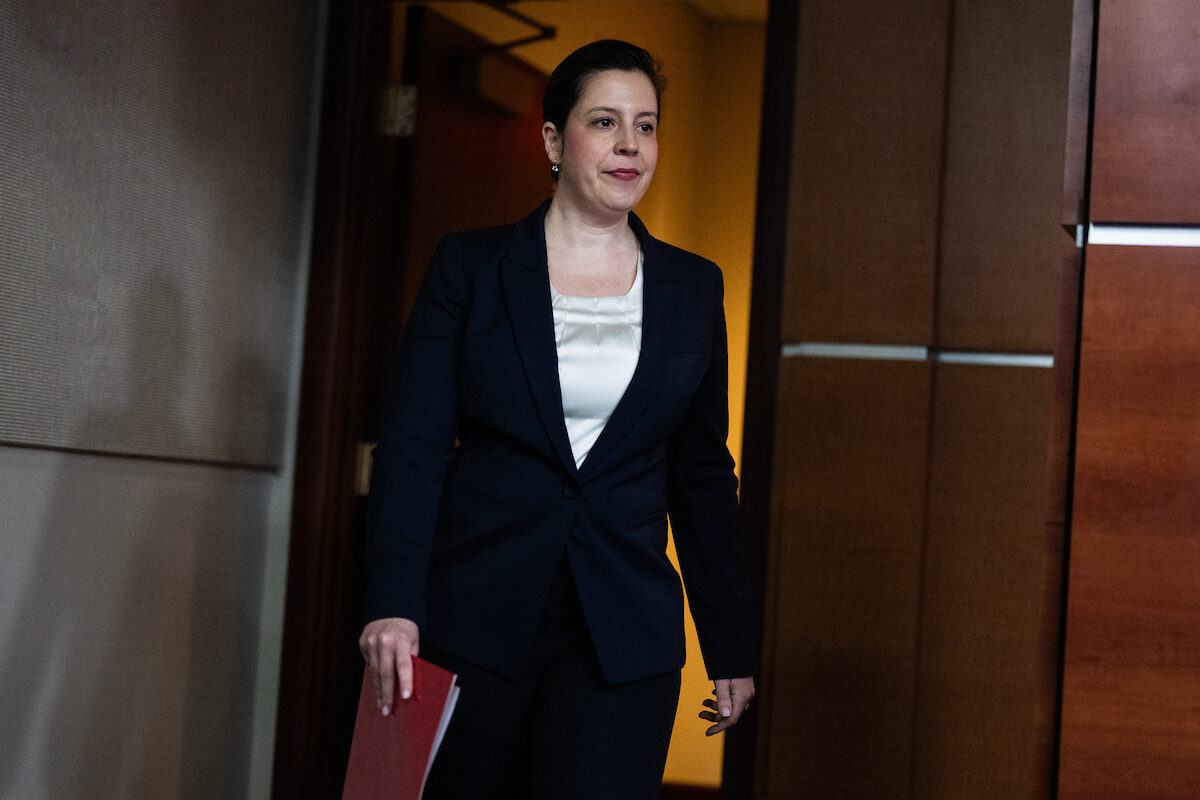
[(568, 78)]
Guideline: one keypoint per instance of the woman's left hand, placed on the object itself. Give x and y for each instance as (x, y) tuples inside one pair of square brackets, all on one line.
[(733, 697)]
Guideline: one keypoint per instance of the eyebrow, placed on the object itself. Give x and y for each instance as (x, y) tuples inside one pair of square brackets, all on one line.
[(610, 110)]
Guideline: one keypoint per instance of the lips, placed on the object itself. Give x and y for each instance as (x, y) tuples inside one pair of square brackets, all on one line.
[(624, 174)]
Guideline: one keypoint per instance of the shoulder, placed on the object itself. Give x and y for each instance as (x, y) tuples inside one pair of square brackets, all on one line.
[(694, 278), (482, 248), (480, 241), (696, 265), (468, 257), (679, 263)]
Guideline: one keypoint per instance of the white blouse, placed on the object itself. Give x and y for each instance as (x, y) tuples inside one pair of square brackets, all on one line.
[(598, 341)]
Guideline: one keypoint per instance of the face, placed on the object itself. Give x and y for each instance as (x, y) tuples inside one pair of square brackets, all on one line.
[(608, 151)]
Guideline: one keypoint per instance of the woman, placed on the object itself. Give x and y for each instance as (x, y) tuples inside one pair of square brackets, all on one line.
[(581, 366)]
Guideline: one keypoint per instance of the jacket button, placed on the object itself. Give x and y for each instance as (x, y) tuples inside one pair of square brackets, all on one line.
[(568, 492)]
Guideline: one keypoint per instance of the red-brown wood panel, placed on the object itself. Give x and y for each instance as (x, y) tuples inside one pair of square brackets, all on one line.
[(1146, 155), (1131, 693), (867, 171), (849, 483), (984, 709), (1005, 127)]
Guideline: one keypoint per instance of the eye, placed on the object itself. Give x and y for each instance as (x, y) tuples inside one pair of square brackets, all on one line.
[(646, 127), (603, 122)]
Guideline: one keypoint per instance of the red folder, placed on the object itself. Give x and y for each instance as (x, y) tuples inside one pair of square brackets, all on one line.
[(390, 756)]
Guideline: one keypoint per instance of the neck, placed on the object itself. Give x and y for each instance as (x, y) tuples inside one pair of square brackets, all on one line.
[(575, 227), (589, 257)]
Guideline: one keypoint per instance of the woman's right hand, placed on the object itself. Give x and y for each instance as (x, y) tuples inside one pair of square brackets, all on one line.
[(388, 646)]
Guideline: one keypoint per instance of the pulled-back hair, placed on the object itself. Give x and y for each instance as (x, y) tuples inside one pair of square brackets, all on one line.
[(568, 78)]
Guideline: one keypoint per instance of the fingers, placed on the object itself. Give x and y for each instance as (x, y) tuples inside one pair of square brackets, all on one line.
[(722, 708), (713, 715), (381, 661), (387, 646), (724, 701), (404, 670), (732, 698), (386, 660)]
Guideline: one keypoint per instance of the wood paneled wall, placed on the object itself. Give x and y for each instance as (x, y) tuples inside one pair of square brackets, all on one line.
[(908, 652), (1005, 125), (1131, 675), (1131, 694), (1146, 132), (982, 697), (871, 85), (851, 447)]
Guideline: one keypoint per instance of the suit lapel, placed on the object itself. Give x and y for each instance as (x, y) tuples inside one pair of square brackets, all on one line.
[(526, 286), (657, 276)]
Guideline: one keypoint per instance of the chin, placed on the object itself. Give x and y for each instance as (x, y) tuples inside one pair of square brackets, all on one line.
[(614, 202), (620, 208), (625, 202)]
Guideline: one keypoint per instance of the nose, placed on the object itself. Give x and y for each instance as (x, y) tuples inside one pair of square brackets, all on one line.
[(627, 142)]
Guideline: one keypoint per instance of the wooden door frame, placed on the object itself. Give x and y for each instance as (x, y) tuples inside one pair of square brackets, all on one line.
[(321, 667), (742, 750)]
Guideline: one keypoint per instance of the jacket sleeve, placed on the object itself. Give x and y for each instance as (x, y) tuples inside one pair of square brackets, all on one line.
[(705, 518), (416, 443)]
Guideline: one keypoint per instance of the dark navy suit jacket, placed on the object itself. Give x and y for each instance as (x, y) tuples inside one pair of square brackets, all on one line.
[(464, 539)]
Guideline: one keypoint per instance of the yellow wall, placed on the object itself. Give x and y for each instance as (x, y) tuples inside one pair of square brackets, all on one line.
[(702, 199)]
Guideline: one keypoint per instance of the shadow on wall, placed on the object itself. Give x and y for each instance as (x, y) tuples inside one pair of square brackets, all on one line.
[(131, 588), (128, 660)]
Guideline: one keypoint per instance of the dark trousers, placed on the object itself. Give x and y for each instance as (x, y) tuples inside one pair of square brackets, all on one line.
[(558, 731)]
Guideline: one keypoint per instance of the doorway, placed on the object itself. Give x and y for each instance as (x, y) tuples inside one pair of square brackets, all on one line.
[(703, 197), (373, 240)]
